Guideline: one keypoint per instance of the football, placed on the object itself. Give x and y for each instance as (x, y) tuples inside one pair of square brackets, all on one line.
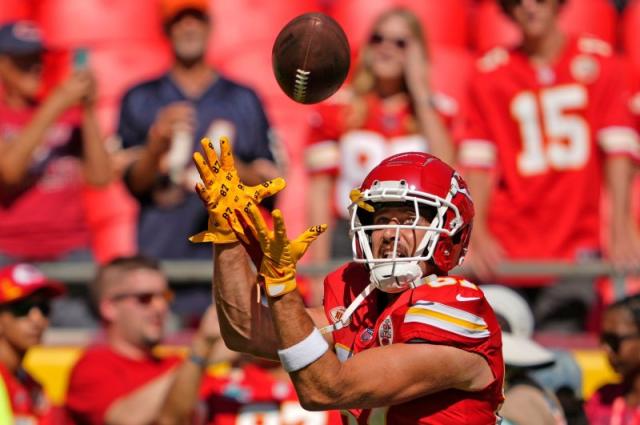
[(311, 57)]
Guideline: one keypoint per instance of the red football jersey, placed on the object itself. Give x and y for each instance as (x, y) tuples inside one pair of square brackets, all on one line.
[(252, 396), (545, 130), (350, 153), (446, 311), (28, 401)]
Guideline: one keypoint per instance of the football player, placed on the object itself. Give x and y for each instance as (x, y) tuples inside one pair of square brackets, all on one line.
[(403, 342)]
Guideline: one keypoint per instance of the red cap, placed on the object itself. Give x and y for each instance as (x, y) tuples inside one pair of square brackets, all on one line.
[(170, 8), (21, 280)]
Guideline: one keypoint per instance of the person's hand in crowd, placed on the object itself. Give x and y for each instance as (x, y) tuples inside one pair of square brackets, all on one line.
[(416, 70), (624, 248), (180, 115), (485, 254), (79, 88), (224, 195)]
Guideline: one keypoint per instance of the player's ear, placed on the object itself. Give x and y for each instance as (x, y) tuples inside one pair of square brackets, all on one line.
[(107, 310)]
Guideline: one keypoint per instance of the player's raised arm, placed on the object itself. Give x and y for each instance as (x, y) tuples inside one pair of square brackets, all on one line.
[(245, 322)]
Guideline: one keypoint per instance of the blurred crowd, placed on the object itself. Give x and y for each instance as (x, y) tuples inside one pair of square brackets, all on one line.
[(102, 103)]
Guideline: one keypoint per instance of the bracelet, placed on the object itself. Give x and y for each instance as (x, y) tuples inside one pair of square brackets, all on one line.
[(303, 353), (198, 360)]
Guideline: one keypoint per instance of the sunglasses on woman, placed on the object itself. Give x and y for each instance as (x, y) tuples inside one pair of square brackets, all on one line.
[(377, 38), (23, 307), (144, 298), (614, 341)]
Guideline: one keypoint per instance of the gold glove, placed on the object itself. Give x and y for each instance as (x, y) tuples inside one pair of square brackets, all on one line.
[(223, 193)]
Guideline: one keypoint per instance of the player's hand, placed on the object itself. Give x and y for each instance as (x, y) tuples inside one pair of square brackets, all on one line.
[(223, 193), (274, 255), (484, 255)]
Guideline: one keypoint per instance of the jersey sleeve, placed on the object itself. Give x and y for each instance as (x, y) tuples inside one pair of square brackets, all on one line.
[(613, 120), (452, 314), (476, 146), (322, 153)]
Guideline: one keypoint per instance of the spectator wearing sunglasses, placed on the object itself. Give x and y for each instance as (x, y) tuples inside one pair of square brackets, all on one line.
[(50, 146), (124, 380), (389, 108), (620, 338), (25, 295)]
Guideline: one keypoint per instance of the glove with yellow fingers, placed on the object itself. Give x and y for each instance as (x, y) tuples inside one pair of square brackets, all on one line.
[(223, 193), (274, 255)]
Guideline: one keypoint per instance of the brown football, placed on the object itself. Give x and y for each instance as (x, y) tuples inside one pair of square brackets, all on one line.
[(311, 57)]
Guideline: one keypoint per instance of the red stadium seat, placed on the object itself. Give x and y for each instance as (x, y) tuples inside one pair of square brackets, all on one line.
[(596, 17), (240, 24), (72, 23), (492, 28), (118, 66), (631, 32), (16, 10), (444, 22)]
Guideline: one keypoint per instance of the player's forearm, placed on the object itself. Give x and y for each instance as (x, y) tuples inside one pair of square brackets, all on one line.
[(245, 324), (434, 130), (18, 153), (97, 161), (618, 172)]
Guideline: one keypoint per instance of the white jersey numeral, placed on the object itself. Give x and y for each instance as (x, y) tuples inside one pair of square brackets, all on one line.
[(559, 139), (289, 413)]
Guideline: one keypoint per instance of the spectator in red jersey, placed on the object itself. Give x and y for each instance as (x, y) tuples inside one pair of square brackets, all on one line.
[(546, 122), (389, 108), (25, 303), (620, 337), (403, 342), (124, 381), (48, 150)]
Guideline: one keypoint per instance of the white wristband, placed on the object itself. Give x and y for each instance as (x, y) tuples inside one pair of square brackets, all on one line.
[(303, 353)]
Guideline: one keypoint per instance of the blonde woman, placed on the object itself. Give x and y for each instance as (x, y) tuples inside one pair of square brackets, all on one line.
[(389, 108)]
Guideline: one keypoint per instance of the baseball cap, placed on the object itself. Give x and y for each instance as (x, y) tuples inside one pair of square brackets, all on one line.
[(20, 38), (171, 8), (516, 320), (18, 281)]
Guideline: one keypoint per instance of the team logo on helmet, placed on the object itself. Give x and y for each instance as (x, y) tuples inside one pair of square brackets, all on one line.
[(336, 314), (385, 333)]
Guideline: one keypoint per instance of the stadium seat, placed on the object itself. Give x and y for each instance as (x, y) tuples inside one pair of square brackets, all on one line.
[(73, 23), (444, 22), (118, 66), (15, 10), (492, 28), (631, 32), (595, 17), (240, 24)]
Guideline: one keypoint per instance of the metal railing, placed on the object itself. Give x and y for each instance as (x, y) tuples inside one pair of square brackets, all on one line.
[(201, 271)]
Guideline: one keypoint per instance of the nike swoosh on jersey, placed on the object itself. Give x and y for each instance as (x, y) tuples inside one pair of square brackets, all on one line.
[(465, 299)]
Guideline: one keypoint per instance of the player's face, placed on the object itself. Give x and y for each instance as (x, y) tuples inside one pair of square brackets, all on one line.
[(23, 322), (22, 74), (535, 17), (188, 36), (140, 303), (387, 48), (621, 340), (383, 240)]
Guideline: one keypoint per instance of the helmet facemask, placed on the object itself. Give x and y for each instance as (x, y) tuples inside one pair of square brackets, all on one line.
[(397, 273)]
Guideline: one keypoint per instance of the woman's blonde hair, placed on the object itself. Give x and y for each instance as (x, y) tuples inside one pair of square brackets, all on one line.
[(363, 81)]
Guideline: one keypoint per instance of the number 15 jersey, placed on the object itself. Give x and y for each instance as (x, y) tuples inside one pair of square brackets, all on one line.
[(545, 130)]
